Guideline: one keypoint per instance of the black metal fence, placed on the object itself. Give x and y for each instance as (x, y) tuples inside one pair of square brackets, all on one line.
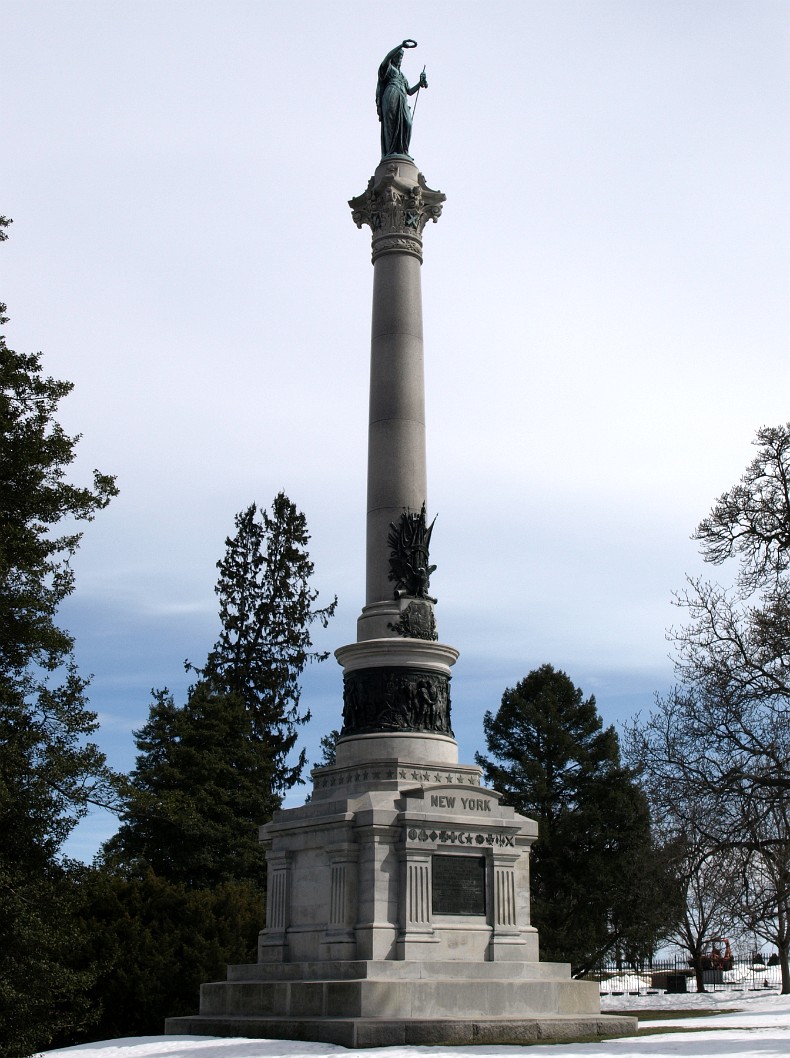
[(677, 976)]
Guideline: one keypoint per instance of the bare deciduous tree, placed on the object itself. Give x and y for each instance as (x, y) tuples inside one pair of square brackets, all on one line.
[(722, 738)]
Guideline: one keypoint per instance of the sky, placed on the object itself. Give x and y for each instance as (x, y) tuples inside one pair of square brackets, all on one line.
[(605, 307), (759, 1029)]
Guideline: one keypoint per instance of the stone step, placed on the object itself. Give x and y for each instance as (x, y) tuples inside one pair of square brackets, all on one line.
[(420, 998), (414, 1032), (337, 970)]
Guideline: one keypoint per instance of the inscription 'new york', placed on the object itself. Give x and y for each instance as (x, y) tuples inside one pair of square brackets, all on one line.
[(468, 804)]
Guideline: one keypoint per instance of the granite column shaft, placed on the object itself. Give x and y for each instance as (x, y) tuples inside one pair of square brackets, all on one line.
[(397, 478)]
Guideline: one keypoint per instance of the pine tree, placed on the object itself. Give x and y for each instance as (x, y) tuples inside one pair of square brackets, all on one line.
[(209, 773), (596, 880), (47, 971), (155, 942), (49, 771), (266, 611), (201, 788), (328, 747)]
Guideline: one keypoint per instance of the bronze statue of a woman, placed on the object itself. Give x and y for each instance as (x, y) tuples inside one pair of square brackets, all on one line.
[(393, 110)]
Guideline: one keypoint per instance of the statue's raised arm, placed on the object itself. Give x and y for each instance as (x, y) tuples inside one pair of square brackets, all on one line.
[(393, 109)]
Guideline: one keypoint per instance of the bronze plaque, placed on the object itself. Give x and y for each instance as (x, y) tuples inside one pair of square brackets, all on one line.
[(459, 885)]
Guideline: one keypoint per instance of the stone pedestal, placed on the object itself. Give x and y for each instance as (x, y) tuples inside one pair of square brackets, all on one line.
[(398, 895), (398, 913)]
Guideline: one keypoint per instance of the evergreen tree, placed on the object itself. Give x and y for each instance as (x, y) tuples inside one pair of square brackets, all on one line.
[(155, 942), (201, 788), (46, 972), (209, 773), (328, 747), (597, 881), (49, 772), (266, 612)]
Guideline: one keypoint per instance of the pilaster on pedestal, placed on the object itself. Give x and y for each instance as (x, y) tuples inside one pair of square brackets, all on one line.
[(273, 941), (417, 938), (339, 940)]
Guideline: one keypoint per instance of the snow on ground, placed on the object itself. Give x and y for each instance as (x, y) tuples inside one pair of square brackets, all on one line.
[(743, 982), (691, 1001), (758, 1026)]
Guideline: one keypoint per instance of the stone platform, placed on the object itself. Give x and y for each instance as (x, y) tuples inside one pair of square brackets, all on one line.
[(387, 1003)]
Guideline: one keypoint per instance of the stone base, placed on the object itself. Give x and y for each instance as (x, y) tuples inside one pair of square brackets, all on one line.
[(415, 1032), (398, 913), (376, 1004)]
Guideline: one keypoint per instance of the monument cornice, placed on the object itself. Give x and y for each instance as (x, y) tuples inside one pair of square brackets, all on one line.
[(395, 652)]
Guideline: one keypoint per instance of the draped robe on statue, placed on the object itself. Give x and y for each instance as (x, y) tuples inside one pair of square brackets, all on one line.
[(393, 109)]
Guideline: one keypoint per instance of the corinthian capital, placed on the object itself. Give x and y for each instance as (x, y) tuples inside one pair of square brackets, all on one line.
[(397, 204)]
